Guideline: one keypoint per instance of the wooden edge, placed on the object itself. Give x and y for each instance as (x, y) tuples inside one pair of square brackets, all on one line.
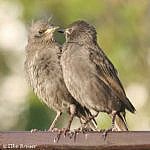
[(89, 140)]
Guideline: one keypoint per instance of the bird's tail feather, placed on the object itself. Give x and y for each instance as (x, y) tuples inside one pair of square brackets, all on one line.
[(120, 122), (129, 105)]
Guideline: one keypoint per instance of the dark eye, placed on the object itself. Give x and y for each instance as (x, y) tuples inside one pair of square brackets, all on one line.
[(41, 31)]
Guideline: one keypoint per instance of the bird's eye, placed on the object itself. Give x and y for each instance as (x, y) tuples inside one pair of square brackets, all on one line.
[(41, 31)]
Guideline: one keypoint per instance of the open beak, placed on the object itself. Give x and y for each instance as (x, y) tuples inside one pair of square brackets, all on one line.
[(61, 30), (66, 31)]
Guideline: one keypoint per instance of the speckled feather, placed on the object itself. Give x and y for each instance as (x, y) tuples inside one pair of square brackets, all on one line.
[(89, 75), (44, 73)]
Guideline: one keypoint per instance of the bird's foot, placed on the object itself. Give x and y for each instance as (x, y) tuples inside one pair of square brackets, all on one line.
[(56, 139), (84, 129), (72, 134), (53, 130), (34, 130), (105, 132), (63, 131)]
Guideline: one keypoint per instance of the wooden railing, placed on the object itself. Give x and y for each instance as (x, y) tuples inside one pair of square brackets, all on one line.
[(135, 140)]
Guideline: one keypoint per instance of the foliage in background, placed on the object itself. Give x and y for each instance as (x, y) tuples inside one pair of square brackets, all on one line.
[(123, 33)]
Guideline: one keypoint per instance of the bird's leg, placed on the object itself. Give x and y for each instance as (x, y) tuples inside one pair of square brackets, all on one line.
[(72, 114), (65, 130), (114, 113), (55, 120), (72, 111), (90, 118), (85, 126), (81, 122)]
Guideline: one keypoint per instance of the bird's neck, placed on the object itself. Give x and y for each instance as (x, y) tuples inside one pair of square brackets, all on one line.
[(34, 46), (42, 41), (82, 39)]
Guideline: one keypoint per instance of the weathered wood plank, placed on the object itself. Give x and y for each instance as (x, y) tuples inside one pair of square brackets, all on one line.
[(135, 140)]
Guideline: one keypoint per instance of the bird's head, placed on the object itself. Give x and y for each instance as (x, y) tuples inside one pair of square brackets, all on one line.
[(41, 31), (80, 31)]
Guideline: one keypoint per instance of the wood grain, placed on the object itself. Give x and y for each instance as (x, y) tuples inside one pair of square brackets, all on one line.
[(135, 140)]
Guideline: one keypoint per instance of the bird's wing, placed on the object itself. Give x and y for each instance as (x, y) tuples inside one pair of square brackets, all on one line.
[(108, 74)]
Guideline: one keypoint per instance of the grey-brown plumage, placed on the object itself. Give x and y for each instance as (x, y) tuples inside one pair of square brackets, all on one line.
[(90, 76), (44, 73)]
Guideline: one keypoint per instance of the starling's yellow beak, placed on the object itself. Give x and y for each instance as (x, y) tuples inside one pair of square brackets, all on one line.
[(51, 29), (67, 31)]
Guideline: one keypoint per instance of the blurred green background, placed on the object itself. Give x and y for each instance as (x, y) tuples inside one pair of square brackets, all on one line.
[(123, 28)]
